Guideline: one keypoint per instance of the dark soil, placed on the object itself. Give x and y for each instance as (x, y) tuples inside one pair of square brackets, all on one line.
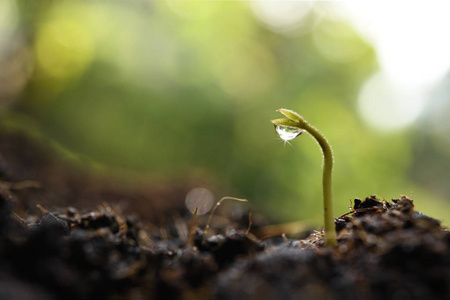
[(62, 236)]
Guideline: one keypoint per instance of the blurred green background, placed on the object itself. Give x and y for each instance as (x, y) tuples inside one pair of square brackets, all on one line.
[(184, 90)]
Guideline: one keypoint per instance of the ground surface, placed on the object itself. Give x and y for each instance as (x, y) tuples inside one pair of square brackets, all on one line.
[(63, 237)]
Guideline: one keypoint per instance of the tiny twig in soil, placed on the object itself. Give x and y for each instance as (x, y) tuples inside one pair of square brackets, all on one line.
[(21, 220), (42, 209), (190, 240), (250, 223), (285, 239), (360, 210), (21, 185)]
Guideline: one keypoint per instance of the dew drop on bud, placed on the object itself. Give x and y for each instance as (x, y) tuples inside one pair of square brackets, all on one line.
[(288, 133)]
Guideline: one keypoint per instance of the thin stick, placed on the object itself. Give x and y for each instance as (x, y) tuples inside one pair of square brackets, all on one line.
[(190, 240), (21, 185), (18, 217), (214, 209), (285, 239), (42, 209), (250, 223)]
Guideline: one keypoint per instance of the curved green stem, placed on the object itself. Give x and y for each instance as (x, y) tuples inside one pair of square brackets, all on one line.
[(297, 121), (330, 230)]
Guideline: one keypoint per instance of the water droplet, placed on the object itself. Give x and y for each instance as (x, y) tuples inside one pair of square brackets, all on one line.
[(288, 133)]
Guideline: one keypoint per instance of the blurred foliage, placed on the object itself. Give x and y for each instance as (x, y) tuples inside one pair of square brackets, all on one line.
[(186, 89)]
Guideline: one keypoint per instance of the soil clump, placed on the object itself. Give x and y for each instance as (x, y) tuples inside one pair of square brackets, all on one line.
[(386, 250)]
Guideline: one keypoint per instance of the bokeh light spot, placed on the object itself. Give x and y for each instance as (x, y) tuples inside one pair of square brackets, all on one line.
[(283, 16), (412, 47), (387, 106), (200, 198), (64, 48)]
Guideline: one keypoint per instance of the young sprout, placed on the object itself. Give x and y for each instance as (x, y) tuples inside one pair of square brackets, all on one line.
[(289, 128), (205, 232)]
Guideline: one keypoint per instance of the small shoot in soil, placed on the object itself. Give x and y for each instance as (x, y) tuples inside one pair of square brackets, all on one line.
[(289, 128), (214, 209)]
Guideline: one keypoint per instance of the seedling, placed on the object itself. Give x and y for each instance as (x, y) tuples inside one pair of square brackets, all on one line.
[(205, 232), (289, 128)]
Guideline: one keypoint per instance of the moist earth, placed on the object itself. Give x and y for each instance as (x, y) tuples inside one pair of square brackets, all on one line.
[(55, 247)]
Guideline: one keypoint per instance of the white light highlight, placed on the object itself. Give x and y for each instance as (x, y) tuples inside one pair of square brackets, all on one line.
[(283, 16), (387, 106), (411, 39)]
